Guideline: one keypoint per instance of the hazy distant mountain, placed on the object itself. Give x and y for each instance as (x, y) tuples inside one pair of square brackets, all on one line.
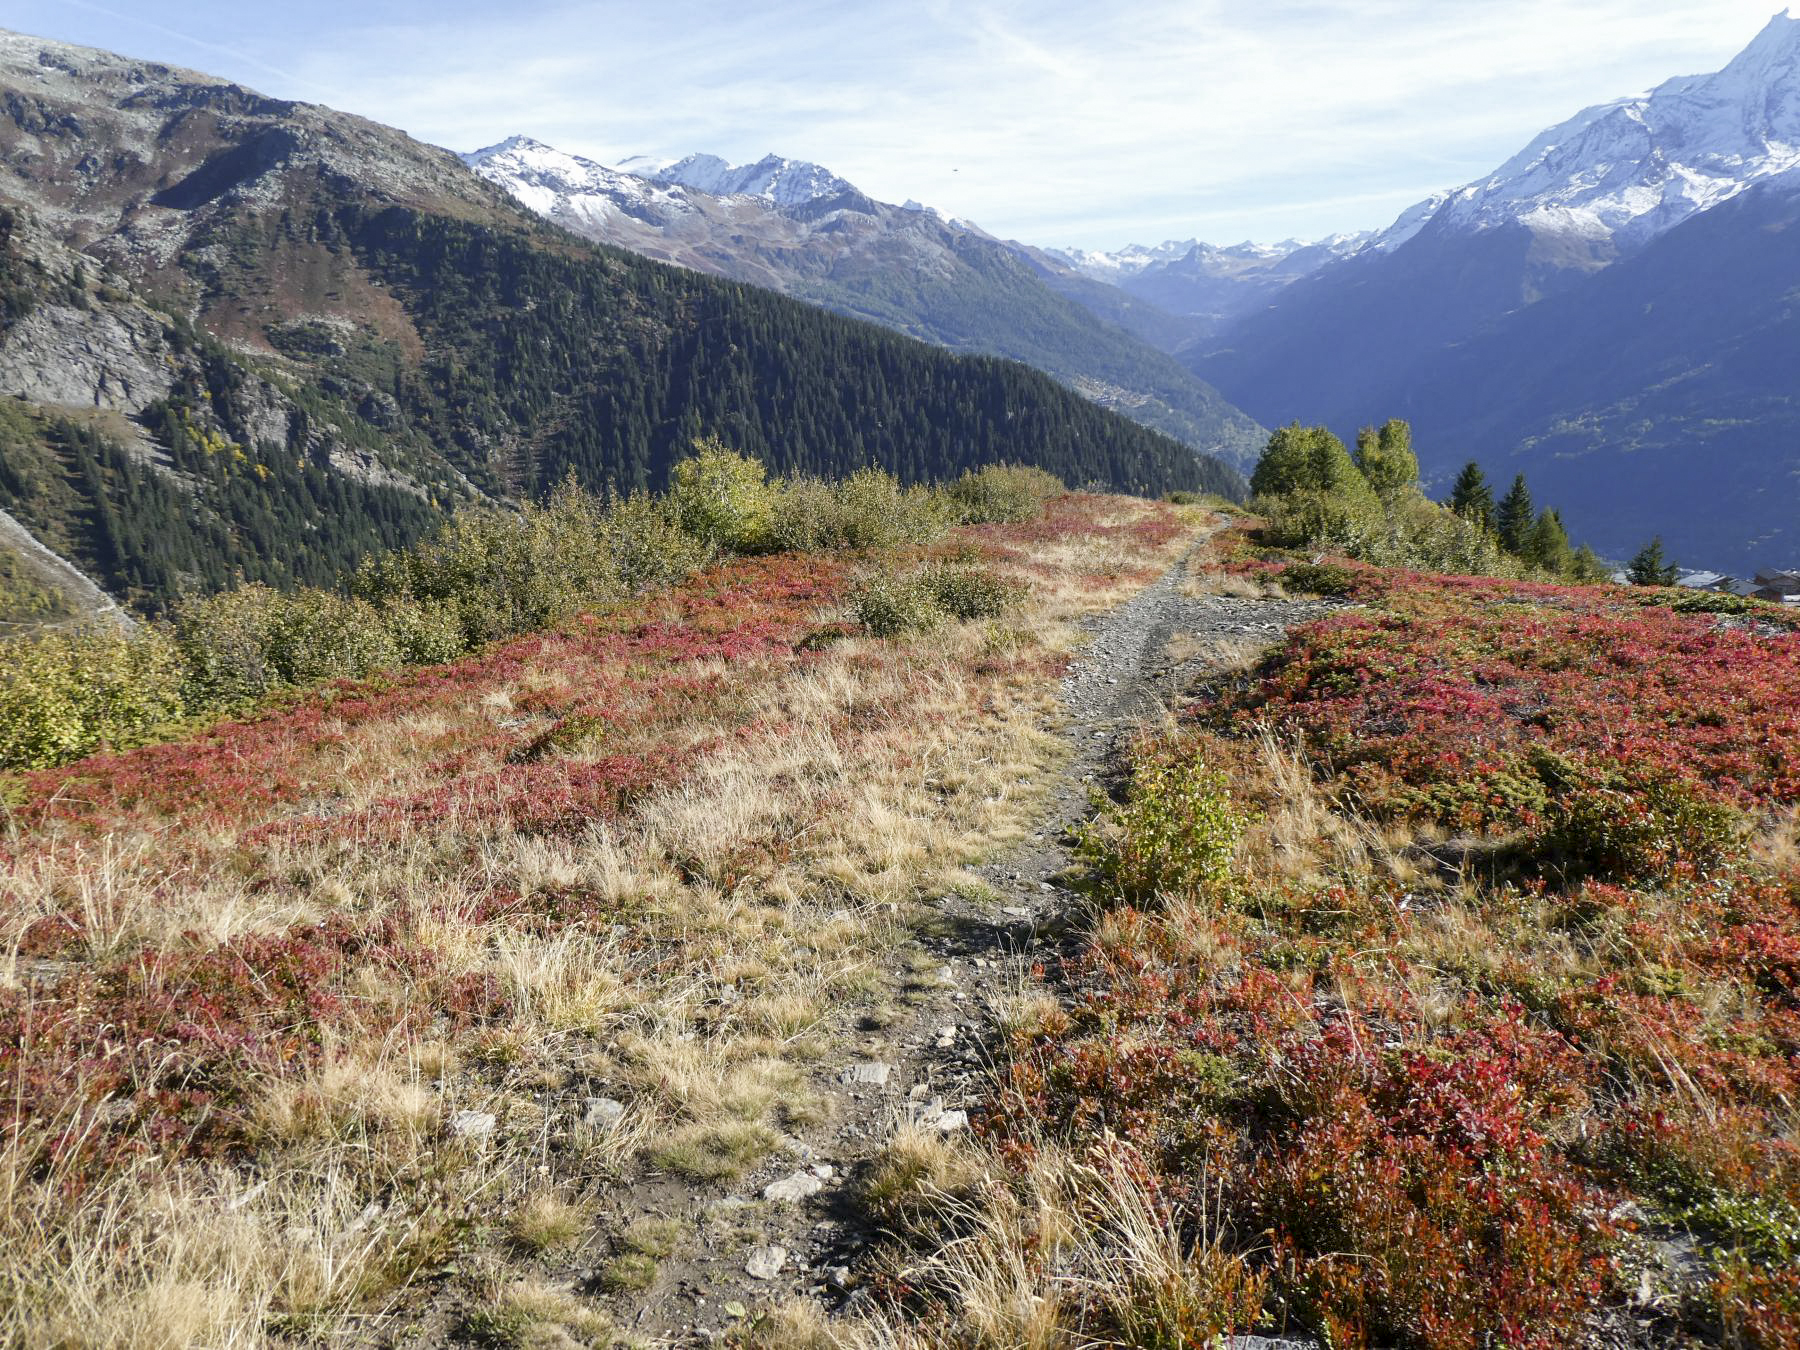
[(799, 229), (1205, 284), (1526, 318)]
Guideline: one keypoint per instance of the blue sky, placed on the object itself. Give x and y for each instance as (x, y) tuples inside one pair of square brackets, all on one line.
[(1057, 123)]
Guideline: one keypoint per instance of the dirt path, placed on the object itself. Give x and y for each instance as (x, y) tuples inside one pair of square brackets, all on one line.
[(930, 1063)]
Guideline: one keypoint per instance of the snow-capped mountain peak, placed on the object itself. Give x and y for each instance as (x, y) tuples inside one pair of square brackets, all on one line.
[(1625, 171), (569, 188), (784, 182), (520, 163)]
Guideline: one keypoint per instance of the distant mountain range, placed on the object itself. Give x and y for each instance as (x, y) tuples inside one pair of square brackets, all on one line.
[(1602, 312), (250, 337), (800, 229), (246, 337), (1206, 286), (1611, 311)]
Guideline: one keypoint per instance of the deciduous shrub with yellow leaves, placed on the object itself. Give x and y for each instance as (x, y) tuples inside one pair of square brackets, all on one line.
[(66, 695)]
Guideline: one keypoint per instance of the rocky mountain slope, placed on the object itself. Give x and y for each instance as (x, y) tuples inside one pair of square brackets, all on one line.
[(1522, 319), (799, 229), (254, 338)]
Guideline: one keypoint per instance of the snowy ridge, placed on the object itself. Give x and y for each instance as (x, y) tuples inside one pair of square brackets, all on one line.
[(783, 182), (1628, 170), (562, 186), (1138, 259), (555, 183), (1619, 173)]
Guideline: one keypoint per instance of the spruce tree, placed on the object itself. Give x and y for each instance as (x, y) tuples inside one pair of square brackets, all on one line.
[(1649, 568), (1515, 517), (1548, 545), (1472, 498), (1587, 567)]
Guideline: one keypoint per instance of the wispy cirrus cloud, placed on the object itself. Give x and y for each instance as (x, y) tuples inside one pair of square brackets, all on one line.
[(1058, 122)]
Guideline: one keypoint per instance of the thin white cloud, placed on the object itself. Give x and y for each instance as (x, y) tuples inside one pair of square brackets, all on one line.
[(127, 23), (1058, 121)]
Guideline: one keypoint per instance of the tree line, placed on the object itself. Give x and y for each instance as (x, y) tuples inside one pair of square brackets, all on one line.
[(1368, 501)]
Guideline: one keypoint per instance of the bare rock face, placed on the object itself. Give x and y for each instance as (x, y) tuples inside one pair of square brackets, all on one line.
[(132, 160), (265, 413), (107, 357)]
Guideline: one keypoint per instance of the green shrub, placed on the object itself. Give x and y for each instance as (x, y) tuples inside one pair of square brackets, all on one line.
[(504, 572), (646, 545), (241, 644), (1611, 821), (968, 592), (875, 512), (1002, 494), (804, 517), (1700, 602), (1406, 531), (868, 510), (1176, 834), (1318, 579), (425, 632), (889, 606), (65, 695), (1309, 460), (1318, 519), (323, 636), (722, 498)]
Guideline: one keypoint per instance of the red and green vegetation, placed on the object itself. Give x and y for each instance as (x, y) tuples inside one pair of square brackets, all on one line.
[(255, 978), (486, 574), (1446, 990)]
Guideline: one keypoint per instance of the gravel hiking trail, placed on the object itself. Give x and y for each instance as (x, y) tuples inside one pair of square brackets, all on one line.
[(793, 1227)]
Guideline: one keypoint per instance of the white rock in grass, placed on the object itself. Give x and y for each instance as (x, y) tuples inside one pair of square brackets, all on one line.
[(792, 1190), (603, 1113), (473, 1124), (765, 1263)]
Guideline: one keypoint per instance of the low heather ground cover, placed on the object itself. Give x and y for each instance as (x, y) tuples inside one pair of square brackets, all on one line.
[(251, 978), (1443, 990)]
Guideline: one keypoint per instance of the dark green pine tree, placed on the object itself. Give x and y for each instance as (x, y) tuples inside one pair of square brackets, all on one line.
[(1515, 517), (1649, 568), (1548, 546), (1588, 568), (1471, 497)]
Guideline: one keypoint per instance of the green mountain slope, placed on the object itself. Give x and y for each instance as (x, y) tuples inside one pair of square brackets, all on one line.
[(944, 281), (256, 338)]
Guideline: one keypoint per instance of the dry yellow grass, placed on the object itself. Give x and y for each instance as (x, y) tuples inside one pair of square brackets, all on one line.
[(1065, 1243), (756, 908)]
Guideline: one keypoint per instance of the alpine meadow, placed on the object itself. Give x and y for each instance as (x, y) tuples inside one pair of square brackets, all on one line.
[(631, 745)]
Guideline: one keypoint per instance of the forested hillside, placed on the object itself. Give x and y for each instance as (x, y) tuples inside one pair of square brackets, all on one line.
[(908, 268), (251, 339), (609, 365)]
